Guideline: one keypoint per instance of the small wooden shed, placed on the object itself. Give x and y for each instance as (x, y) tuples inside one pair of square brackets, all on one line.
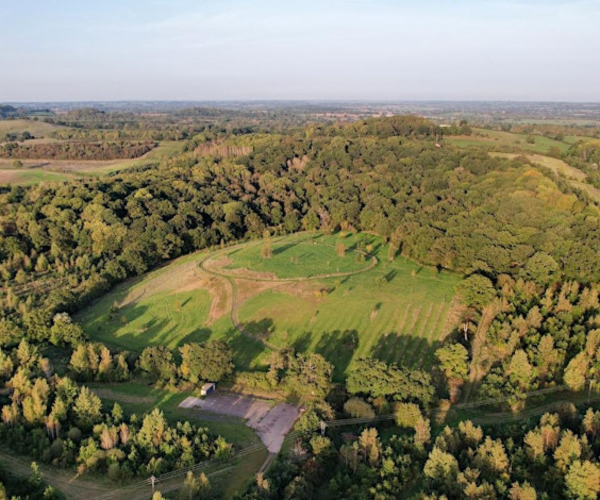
[(208, 388)]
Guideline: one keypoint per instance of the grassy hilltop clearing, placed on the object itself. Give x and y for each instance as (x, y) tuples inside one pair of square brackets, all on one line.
[(305, 296)]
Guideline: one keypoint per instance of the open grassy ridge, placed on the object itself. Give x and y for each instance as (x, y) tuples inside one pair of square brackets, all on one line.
[(399, 320), (496, 138), (397, 311), (302, 255), (36, 128)]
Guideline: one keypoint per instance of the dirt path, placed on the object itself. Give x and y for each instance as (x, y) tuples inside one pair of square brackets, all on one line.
[(67, 483), (233, 278), (478, 350)]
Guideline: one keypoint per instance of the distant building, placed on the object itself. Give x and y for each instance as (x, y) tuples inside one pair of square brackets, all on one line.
[(208, 388)]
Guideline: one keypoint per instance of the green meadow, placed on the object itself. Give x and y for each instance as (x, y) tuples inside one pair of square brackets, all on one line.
[(396, 311), (499, 139)]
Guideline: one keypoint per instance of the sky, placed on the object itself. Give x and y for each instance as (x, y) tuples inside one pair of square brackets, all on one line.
[(521, 50)]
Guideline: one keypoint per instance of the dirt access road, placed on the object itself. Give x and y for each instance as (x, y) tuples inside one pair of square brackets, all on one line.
[(271, 423)]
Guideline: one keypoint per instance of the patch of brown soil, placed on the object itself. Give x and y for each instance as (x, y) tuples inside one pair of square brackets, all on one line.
[(220, 293), (218, 288), (244, 272), (7, 176), (248, 289), (216, 264), (302, 289)]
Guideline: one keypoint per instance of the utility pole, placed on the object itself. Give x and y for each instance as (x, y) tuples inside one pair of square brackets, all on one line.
[(152, 482)]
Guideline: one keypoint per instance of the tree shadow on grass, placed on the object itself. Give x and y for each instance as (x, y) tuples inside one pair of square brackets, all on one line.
[(281, 249), (391, 275), (302, 342), (338, 347), (245, 350), (406, 350), (260, 329)]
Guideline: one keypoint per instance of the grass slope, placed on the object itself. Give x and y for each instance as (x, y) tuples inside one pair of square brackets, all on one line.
[(396, 311), (300, 256), (34, 127), (401, 320), (496, 138)]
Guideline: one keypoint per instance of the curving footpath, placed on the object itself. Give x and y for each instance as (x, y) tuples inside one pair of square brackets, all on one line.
[(232, 277)]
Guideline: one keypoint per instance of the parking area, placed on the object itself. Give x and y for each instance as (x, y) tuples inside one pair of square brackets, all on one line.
[(271, 423)]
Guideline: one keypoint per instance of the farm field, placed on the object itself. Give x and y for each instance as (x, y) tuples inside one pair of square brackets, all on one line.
[(36, 128), (36, 171), (496, 138), (396, 311)]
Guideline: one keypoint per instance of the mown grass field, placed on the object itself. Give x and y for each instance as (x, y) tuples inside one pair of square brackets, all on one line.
[(400, 320), (30, 177), (496, 139), (302, 255), (396, 311)]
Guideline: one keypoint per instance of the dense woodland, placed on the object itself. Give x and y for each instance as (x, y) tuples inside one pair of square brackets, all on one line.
[(525, 241), (555, 457)]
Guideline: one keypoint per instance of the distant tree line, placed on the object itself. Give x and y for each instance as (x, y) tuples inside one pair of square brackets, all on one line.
[(76, 150)]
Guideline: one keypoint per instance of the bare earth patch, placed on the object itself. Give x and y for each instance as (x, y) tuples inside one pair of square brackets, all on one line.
[(245, 273), (270, 423), (220, 294), (248, 289), (10, 176), (217, 264), (186, 278)]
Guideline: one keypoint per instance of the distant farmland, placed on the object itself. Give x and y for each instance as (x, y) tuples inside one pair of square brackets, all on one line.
[(499, 140), (36, 171)]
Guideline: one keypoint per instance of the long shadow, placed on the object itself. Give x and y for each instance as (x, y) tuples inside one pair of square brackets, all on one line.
[(260, 329), (396, 348), (391, 275), (280, 249), (245, 350), (338, 347), (302, 343)]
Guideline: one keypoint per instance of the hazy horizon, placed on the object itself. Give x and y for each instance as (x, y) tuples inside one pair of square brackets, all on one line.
[(378, 51)]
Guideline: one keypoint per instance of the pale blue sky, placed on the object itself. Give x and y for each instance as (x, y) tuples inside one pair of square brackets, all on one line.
[(277, 49)]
